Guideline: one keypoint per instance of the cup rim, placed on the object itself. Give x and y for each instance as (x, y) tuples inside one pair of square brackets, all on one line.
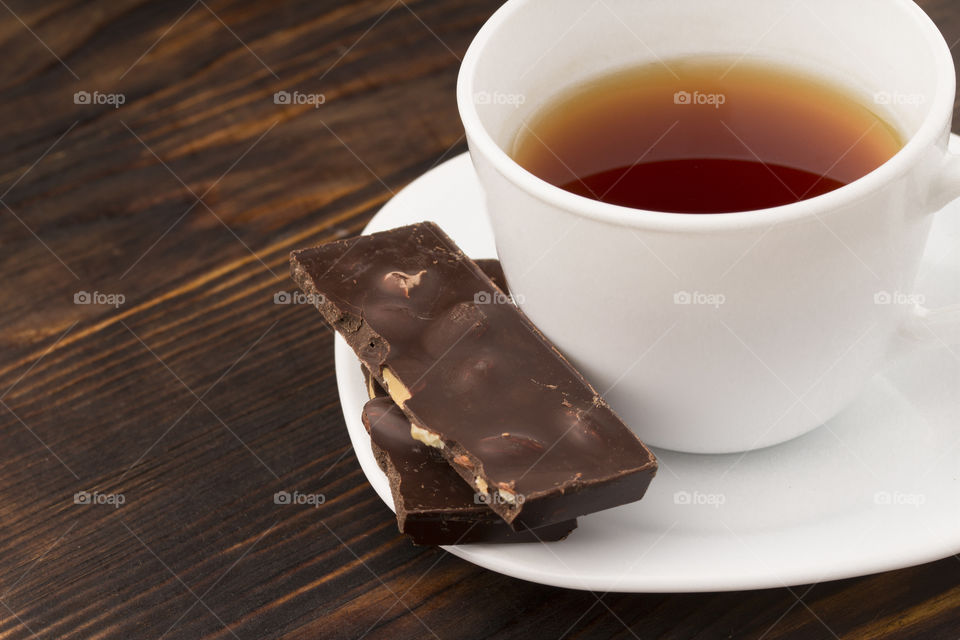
[(940, 112)]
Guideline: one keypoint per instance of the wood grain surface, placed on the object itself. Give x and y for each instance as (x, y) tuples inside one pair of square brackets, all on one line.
[(194, 398)]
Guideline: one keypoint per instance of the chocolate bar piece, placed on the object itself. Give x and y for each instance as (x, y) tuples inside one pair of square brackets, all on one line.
[(474, 377), (434, 505)]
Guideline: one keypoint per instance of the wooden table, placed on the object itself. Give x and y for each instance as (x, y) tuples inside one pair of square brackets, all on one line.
[(194, 398)]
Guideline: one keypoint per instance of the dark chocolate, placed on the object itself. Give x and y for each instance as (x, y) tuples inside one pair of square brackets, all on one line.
[(434, 505), (473, 375)]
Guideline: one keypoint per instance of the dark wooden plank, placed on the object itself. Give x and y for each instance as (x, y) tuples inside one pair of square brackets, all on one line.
[(186, 200)]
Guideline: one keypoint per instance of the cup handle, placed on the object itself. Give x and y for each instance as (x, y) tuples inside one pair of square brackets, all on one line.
[(928, 327)]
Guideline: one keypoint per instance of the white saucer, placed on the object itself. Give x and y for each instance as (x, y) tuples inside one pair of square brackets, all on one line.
[(877, 488)]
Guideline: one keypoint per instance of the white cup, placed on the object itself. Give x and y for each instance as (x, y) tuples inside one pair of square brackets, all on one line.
[(729, 332)]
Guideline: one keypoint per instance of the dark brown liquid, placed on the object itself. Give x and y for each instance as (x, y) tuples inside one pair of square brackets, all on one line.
[(705, 136)]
